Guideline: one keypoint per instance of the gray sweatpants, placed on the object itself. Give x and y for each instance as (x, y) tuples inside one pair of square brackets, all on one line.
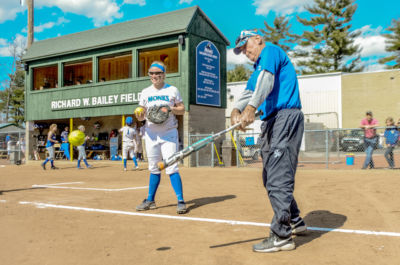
[(281, 139)]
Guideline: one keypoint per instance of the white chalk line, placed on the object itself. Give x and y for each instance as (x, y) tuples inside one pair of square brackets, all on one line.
[(56, 186), (209, 220), (3, 201), (63, 183)]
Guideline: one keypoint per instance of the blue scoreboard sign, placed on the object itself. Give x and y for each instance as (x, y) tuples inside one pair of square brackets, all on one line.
[(208, 76)]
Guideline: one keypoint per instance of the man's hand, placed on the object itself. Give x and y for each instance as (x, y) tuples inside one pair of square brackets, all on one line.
[(247, 117), (235, 116)]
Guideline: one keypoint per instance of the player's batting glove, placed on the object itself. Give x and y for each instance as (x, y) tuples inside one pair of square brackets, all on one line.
[(158, 114)]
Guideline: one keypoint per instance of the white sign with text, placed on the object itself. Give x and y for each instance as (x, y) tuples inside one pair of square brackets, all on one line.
[(95, 101)]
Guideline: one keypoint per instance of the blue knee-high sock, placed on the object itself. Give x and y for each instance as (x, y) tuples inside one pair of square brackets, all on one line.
[(177, 185), (134, 161), (153, 186), (86, 163), (45, 161), (52, 162), (125, 162), (79, 163)]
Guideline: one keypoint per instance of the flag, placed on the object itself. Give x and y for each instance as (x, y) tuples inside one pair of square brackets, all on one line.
[(22, 2)]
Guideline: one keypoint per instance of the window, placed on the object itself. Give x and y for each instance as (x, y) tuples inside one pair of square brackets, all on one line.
[(115, 67), (78, 73), (45, 77), (169, 56)]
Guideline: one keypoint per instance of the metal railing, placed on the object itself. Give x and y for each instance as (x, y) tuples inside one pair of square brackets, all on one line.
[(12, 147), (329, 148)]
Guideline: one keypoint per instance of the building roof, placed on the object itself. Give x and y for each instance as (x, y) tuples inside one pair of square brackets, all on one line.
[(5, 125), (165, 24)]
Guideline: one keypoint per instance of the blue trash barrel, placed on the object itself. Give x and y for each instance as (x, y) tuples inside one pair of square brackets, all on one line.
[(350, 159)]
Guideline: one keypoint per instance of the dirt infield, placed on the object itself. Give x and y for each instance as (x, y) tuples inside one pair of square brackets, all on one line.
[(88, 217)]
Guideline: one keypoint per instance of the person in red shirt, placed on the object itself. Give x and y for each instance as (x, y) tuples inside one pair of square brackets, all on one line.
[(369, 125)]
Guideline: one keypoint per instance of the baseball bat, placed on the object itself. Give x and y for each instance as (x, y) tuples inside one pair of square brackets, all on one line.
[(194, 147)]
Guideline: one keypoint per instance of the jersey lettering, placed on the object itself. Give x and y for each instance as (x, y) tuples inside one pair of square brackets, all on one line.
[(154, 98)]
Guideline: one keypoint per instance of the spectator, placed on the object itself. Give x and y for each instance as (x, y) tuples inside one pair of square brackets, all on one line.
[(64, 143), (369, 125), (391, 138), (8, 144)]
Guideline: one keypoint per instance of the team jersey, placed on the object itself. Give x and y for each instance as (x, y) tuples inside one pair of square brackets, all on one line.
[(128, 134), (64, 136), (285, 93), (167, 95), (50, 143)]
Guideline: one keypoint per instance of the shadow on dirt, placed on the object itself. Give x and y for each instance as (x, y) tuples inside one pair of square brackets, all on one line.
[(315, 220), (319, 219), (196, 203), (34, 188)]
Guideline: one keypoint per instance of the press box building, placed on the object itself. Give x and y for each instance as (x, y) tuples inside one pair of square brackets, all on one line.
[(95, 77)]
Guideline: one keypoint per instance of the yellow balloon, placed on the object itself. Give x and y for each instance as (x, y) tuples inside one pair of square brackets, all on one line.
[(76, 138)]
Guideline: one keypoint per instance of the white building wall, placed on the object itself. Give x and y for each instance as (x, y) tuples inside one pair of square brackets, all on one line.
[(321, 99)]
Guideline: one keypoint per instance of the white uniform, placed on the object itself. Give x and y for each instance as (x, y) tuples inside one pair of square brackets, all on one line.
[(128, 141), (161, 139)]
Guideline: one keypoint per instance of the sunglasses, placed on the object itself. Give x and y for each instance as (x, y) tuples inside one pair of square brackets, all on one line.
[(156, 73)]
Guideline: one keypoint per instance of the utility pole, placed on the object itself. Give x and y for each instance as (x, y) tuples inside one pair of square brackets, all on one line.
[(30, 22)]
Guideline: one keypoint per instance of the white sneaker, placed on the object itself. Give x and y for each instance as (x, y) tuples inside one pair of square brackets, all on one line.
[(124, 168)]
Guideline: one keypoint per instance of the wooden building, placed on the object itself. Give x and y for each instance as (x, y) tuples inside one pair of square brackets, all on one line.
[(95, 77)]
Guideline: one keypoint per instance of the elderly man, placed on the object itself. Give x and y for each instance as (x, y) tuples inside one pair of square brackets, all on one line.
[(273, 90)]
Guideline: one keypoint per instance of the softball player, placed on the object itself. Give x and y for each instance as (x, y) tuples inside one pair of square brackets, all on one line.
[(128, 142), (81, 149), (51, 140), (161, 139)]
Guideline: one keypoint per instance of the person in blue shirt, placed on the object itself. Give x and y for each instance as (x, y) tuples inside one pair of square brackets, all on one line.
[(273, 90), (8, 145), (391, 138), (51, 140), (64, 142)]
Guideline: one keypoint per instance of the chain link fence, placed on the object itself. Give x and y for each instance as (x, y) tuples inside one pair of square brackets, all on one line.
[(12, 148), (329, 148)]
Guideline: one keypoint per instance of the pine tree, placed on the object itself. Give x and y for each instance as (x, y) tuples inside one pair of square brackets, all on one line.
[(329, 46), (392, 45), (279, 34), (239, 73), (12, 97)]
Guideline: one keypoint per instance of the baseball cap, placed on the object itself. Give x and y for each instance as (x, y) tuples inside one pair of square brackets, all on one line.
[(242, 39), (129, 120)]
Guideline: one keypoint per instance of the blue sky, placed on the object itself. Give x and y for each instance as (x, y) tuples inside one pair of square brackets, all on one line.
[(60, 17)]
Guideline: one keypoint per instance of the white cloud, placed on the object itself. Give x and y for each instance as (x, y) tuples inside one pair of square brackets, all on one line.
[(48, 25), (234, 59), (281, 7), (185, 1), (5, 45), (372, 65), (9, 9), (371, 41), (3, 42), (135, 2), (101, 11)]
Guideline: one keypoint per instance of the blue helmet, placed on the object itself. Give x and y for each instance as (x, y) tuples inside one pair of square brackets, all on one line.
[(129, 120)]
